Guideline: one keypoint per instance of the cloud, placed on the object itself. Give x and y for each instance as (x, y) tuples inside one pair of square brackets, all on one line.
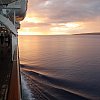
[(44, 13), (66, 10), (30, 24)]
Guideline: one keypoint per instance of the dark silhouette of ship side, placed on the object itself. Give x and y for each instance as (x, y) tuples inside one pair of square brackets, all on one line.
[(11, 13)]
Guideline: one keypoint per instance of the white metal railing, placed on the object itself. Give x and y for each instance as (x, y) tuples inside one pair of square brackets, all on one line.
[(6, 22)]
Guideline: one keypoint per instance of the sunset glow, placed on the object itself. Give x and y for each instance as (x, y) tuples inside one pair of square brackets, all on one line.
[(33, 20), (49, 17), (72, 25)]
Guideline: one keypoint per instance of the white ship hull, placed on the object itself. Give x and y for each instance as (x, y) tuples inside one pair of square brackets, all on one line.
[(11, 13), (10, 17)]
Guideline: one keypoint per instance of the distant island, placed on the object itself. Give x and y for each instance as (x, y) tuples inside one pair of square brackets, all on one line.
[(96, 33)]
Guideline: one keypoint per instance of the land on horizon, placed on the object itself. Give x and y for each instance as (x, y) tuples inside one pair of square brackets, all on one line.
[(95, 33)]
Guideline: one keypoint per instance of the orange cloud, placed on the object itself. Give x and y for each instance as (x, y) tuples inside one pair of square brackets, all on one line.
[(61, 17)]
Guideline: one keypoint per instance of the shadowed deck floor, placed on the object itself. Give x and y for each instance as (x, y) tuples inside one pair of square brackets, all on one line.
[(5, 70), (9, 75)]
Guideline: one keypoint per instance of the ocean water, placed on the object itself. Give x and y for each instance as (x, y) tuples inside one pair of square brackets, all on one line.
[(60, 67)]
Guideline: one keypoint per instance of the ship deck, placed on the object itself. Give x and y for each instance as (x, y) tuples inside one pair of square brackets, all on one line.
[(5, 70), (9, 78)]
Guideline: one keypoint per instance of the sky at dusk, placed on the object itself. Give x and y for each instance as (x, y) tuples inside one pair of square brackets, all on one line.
[(57, 17)]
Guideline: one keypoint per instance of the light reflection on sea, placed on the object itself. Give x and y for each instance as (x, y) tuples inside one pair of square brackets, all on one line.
[(62, 63)]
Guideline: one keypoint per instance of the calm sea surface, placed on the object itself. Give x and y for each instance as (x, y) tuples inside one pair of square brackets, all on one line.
[(60, 67)]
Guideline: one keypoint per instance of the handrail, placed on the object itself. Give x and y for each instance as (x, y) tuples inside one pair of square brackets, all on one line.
[(14, 92)]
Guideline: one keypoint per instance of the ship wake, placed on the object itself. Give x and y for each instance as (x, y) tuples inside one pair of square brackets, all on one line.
[(50, 88)]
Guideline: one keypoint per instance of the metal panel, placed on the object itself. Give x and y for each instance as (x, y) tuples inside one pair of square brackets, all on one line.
[(14, 44), (8, 24), (6, 1)]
